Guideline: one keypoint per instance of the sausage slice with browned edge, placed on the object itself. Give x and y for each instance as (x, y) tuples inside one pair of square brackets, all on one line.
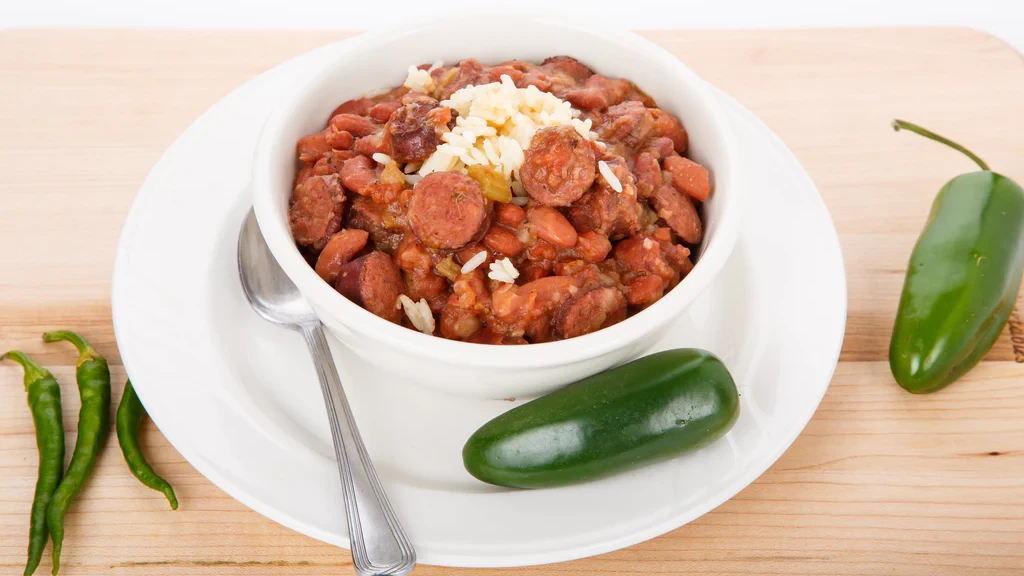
[(591, 311), (316, 211), (446, 210), (558, 167), (373, 282), (341, 248)]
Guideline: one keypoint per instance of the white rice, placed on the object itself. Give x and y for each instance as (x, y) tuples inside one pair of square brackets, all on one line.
[(503, 271), (474, 262), (419, 313), (519, 200), (413, 178), (648, 243), (381, 158), (419, 80), (609, 176), (495, 124)]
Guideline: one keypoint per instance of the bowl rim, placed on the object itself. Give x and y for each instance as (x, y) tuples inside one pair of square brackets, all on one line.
[(326, 301)]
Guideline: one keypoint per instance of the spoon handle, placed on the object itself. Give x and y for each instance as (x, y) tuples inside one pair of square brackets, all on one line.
[(379, 545)]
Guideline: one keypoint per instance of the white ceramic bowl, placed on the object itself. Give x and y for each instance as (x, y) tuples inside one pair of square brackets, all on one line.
[(475, 370)]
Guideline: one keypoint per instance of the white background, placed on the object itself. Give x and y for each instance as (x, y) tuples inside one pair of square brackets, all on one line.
[(1003, 18)]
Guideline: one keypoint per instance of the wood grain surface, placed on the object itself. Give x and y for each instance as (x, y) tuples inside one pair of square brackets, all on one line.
[(880, 482)]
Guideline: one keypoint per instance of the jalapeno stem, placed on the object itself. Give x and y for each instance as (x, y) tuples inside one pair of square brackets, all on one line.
[(33, 371), (85, 350), (897, 125)]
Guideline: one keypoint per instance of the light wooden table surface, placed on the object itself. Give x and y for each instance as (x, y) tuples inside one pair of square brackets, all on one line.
[(880, 482)]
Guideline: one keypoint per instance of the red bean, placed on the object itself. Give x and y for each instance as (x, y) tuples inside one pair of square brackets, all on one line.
[(509, 214), (383, 111), (358, 126), (340, 140), (504, 241), (552, 227), (688, 177)]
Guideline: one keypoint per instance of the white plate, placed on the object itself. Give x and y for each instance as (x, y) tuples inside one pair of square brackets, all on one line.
[(239, 399)]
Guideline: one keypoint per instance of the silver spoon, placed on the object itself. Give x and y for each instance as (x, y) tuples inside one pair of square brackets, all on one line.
[(379, 545)]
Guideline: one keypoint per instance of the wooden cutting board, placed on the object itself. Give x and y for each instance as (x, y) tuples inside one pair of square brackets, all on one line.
[(880, 482)]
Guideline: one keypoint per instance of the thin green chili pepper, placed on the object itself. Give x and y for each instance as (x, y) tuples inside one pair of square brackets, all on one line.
[(962, 279), (44, 403), (93, 377), (129, 416)]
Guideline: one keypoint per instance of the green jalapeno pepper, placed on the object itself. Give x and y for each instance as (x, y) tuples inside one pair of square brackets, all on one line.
[(650, 409), (129, 417), (962, 279), (44, 402), (93, 377)]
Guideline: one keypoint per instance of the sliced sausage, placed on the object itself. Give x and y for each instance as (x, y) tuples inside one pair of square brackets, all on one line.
[(558, 167), (598, 93), (358, 173), (590, 311), (669, 126), (678, 210), (446, 210), (414, 130), (629, 123), (365, 214), (568, 66), (316, 211), (688, 177), (306, 171), (494, 74), (549, 225), (373, 282), (341, 248), (603, 210), (467, 72)]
